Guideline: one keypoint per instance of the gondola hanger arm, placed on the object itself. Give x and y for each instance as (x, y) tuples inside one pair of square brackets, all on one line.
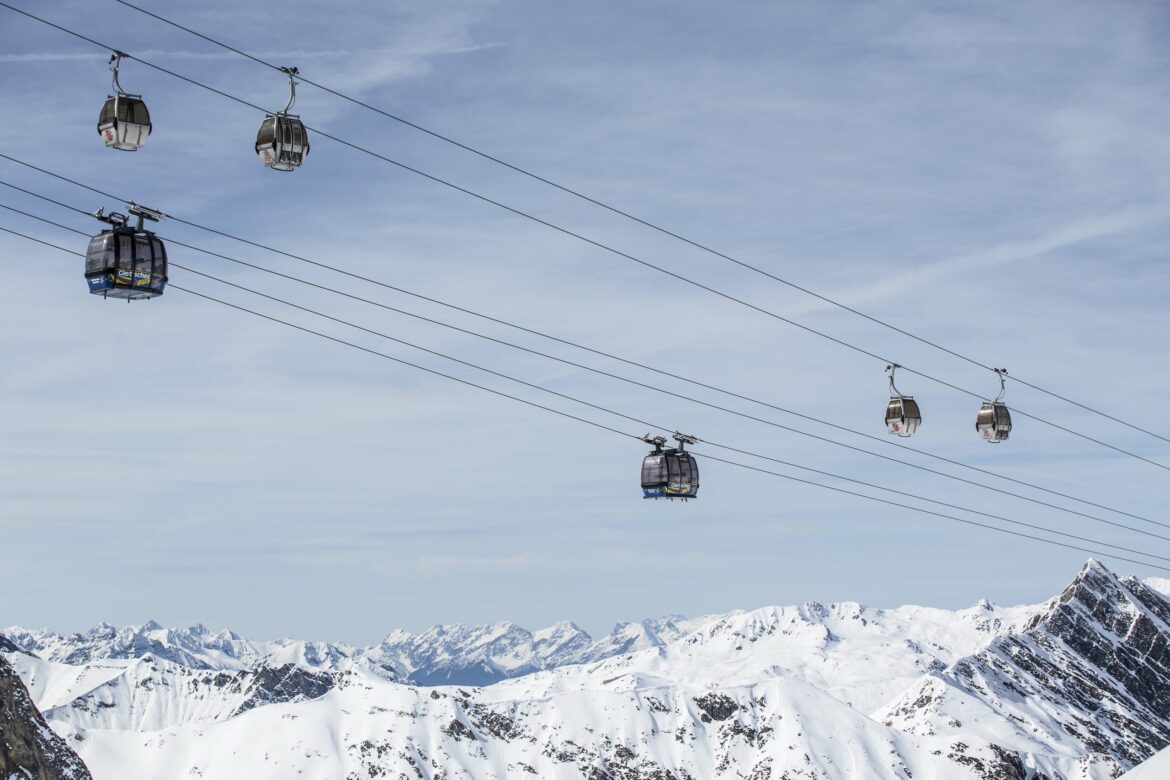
[(891, 368), (1001, 372), (292, 86)]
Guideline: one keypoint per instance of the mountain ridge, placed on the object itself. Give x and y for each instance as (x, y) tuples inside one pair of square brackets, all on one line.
[(809, 691)]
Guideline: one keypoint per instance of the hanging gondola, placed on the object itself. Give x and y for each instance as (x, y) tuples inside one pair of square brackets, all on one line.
[(283, 143), (994, 422), (124, 122), (126, 261), (671, 472), (902, 413)]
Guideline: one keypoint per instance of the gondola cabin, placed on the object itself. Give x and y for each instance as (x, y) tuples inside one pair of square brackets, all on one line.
[(282, 142), (126, 262), (124, 122), (669, 472), (994, 422), (903, 416)]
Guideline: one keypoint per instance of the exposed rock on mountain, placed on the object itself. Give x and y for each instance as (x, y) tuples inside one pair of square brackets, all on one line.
[(1078, 687), (1087, 676), (149, 694), (29, 750)]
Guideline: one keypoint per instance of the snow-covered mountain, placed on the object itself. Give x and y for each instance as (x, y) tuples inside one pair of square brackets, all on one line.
[(1078, 687), (445, 654), (1090, 669)]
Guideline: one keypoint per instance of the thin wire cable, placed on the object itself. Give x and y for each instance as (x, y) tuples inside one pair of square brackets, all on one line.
[(631, 381), (627, 215), (646, 423), (593, 242), (657, 425), (604, 427), (364, 349), (708, 456)]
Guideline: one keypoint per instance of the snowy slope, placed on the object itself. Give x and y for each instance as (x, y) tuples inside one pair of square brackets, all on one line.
[(388, 730), (149, 694), (1078, 687), (860, 655), (1091, 670), (1155, 768), (1160, 584), (810, 641)]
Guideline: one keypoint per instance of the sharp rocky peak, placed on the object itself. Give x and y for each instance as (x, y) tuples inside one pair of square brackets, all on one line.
[(1091, 667)]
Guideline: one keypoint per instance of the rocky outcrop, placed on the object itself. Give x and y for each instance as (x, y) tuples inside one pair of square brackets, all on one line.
[(29, 749), (1089, 676), (282, 684)]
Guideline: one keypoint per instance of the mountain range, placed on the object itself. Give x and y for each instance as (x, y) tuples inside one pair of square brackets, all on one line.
[(1076, 687), (445, 654)]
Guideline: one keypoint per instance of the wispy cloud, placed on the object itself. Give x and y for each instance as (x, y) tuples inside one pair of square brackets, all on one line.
[(292, 55), (884, 153), (1082, 231)]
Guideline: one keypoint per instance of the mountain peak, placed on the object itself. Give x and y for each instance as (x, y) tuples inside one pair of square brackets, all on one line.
[(1093, 578), (1092, 652)]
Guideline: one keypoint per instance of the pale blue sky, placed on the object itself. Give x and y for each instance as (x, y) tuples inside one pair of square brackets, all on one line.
[(991, 175)]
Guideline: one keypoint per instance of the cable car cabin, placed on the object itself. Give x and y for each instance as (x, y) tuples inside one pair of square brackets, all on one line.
[(282, 143), (124, 122), (903, 416), (126, 263), (994, 422), (670, 473)]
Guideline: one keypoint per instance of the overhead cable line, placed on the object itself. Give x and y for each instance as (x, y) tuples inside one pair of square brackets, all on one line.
[(619, 414), (364, 349), (639, 220), (612, 375), (586, 239)]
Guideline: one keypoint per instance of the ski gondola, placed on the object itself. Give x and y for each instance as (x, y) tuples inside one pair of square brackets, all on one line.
[(902, 413), (282, 143), (126, 261), (124, 122), (994, 422), (670, 472)]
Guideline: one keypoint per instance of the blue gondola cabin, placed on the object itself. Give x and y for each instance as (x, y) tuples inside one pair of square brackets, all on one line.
[(669, 473), (126, 263)]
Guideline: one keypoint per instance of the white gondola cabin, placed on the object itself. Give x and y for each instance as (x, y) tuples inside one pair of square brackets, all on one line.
[(124, 122), (902, 413), (282, 143), (994, 422)]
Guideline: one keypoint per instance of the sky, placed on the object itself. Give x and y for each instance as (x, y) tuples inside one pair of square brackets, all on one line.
[(991, 176)]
